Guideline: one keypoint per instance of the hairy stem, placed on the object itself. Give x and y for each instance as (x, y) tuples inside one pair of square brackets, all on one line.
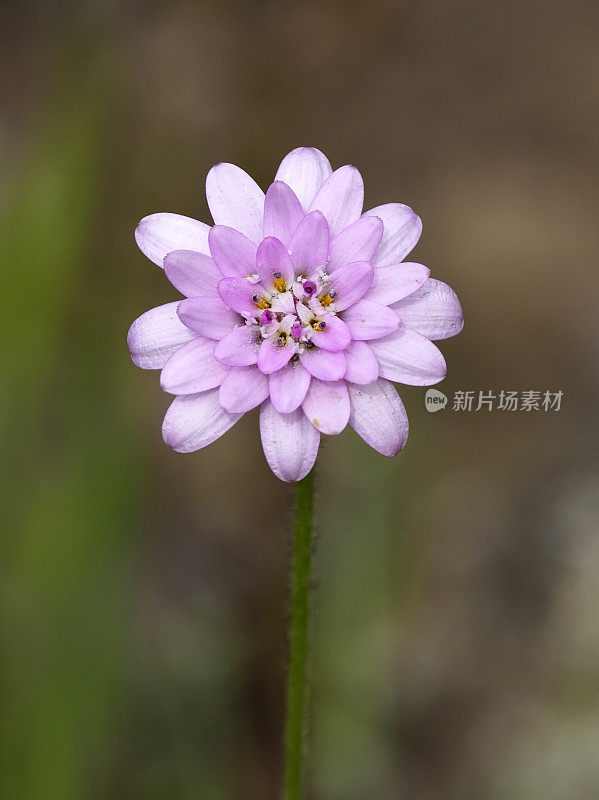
[(297, 684)]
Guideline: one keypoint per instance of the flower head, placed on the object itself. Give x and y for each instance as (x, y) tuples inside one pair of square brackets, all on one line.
[(295, 301)]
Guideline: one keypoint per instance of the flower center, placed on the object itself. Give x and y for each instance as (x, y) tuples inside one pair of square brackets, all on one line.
[(293, 313)]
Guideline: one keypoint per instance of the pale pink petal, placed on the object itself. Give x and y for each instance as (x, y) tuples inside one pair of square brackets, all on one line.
[(369, 320), (351, 282), (379, 416), (208, 316), (334, 337), (304, 169), (362, 364), (283, 212), (288, 387), (239, 348), (401, 233), (408, 357), (160, 234), (156, 335), (237, 293), (235, 200), (192, 369), (272, 358), (433, 310), (323, 364), (358, 242), (340, 198), (244, 388), (394, 282), (327, 406), (193, 274), (194, 421), (272, 256), (232, 252), (289, 441), (309, 245)]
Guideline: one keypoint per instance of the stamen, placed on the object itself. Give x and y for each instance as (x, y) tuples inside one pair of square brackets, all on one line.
[(266, 317), (318, 325), (328, 298), (279, 281), (260, 301), (281, 340)]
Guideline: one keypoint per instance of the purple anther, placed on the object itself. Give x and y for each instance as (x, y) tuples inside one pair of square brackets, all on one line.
[(321, 325), (309, 288), (266, 316)]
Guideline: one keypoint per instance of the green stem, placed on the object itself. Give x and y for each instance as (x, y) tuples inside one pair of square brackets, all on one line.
[(297, 684)]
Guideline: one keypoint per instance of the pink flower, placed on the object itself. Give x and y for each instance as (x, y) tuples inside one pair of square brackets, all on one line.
[(296, 301)]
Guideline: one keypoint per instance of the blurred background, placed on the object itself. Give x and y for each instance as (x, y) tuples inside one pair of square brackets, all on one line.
[(143, 593)]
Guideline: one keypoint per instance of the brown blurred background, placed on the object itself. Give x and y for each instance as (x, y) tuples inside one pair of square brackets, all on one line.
[(143, 592)]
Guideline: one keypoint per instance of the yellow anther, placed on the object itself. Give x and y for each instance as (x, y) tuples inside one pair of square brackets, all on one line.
[(280, 284), (262, 303), (326, 300)]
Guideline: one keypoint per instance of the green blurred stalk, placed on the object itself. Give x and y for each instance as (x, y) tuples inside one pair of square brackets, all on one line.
[(297, 684)]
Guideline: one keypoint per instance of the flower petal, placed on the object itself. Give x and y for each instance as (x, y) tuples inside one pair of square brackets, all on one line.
[(309, 245), (351, 282), (196, 420), (396, 281), (369, 320), (358, 242), (208, 316), (289, 441), (288, 387), (244, 388), (340, 198), (334, 337), (379, 417), (232, 252), (408, 357), (327, 406), (235, 200), (362, 364), (323, 364), (400, 235), (272, 256), (193, 274), (237, 293), (238, 348), (304, 169), (283, 212), (160, 234), (271, 358), (192, 369), (156, 335), (433, 310)]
